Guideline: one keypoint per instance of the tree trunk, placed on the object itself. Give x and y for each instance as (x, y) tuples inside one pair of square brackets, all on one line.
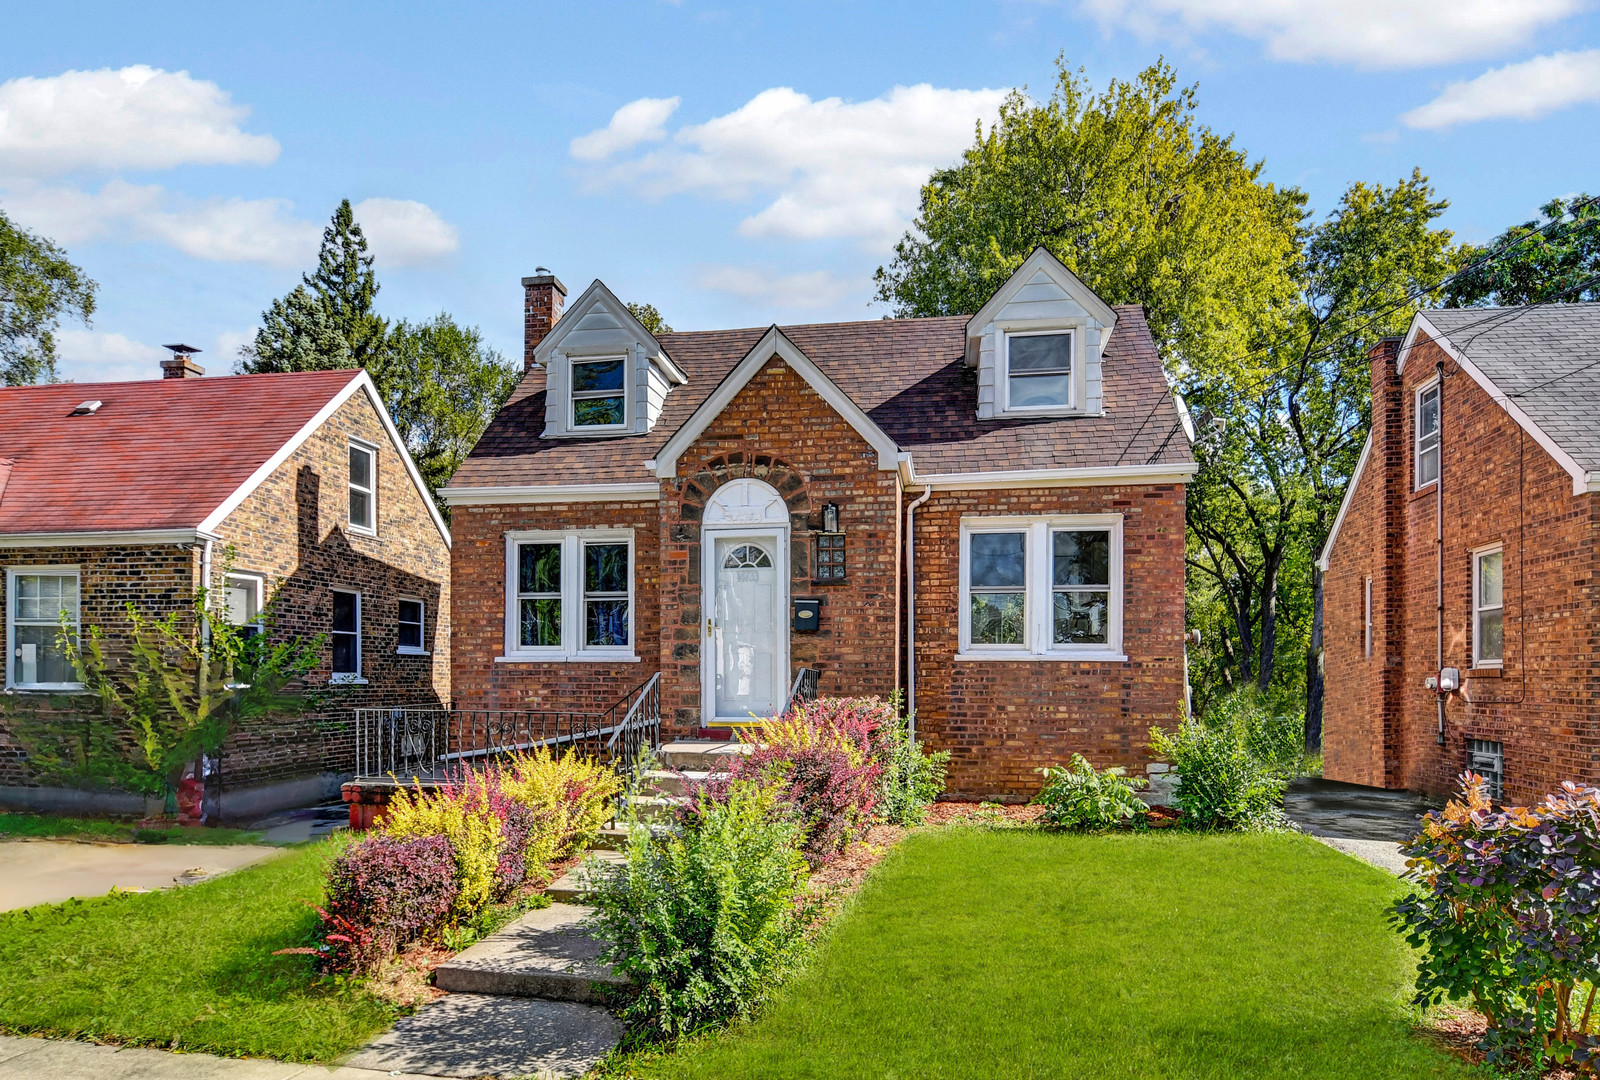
[(1269, 621), (1314, 684)]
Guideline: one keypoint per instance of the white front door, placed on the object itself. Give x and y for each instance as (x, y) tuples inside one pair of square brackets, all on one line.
[(746, 642)]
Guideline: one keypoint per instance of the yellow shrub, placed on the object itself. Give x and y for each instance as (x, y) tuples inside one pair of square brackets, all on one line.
[(572, 794), (464, 814)]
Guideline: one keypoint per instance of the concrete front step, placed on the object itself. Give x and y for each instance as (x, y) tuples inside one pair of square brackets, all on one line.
[(672, 781), (699, 755), (545, 954), (574, 884)]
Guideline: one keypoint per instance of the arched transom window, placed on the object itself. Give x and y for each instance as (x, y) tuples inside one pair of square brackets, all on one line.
[(747, 556)]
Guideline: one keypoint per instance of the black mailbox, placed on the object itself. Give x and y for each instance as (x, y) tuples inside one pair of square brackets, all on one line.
[(807, 615)]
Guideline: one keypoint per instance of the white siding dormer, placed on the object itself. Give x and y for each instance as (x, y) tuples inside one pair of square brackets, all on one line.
[(605, 374), (1038, 344)]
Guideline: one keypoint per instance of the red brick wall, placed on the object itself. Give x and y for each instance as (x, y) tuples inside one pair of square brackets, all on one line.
[(1002, 720), (1499, 487)]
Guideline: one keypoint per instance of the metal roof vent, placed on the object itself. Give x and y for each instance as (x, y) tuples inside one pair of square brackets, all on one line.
[(88, 408)]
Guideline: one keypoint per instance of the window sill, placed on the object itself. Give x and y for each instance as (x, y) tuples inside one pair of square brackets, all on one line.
[(1425, 489), (47, 688), (569, 658), (356, 530), (402, 651), (346, 680), (1106, 657), (1485, 673)]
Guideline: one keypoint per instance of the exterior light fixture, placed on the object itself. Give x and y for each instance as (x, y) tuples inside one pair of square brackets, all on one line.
[(830, 518)]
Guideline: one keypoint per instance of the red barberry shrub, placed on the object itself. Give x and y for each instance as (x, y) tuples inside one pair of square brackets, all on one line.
[(383, 893)]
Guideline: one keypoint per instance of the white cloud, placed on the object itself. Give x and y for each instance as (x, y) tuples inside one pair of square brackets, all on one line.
[(225, 350), (834, 168), (137, 117), (402, 232), (1368, 33), (95, 356), (636, 122), (811, 290), (1522, 91)]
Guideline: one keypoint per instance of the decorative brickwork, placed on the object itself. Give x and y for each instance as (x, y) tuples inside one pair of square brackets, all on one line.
[(1499, 487)]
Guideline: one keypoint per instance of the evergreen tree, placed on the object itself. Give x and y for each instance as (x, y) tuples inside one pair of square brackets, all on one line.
[(297, 334)]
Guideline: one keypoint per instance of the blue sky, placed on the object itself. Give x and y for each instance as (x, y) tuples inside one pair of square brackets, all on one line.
[(733, 165)]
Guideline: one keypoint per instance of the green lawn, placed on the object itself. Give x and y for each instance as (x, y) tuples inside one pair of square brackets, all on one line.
[(44, 826), (190, 968), (980, 954)]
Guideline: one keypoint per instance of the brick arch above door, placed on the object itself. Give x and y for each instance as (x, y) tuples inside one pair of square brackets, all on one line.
[(702, 484)]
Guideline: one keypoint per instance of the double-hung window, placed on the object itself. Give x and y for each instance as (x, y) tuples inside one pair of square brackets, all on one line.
[(41, 601), (569, 595), (241, 597), (599, 388), (363, 488), (346, 636), (1041, 587), (1038, 370), (410, 617), (1427, 412), (1488, 608)]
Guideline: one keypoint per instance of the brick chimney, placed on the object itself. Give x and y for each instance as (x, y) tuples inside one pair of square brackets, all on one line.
[(543, 295), (1386, 473), (181, 365)]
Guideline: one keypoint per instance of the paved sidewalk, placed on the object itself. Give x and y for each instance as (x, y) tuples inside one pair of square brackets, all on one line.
[(50, 871), (57, 1059)]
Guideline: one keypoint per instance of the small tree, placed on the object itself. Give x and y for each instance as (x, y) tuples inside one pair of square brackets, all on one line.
[(176, 687)]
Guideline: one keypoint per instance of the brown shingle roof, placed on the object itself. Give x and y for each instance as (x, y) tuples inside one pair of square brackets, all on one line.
[(908, 375)]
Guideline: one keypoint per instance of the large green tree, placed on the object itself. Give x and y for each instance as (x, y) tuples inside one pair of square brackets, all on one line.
[(1142, 201), (649, 318), (1282, 426), (1555, 258), (38, 285)]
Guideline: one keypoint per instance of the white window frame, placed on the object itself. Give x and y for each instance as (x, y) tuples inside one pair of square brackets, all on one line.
[(257, 585), (1038, 643), (1003, 367), (573, 395), (1366, 618), (347, 677), (1416, 438), (1479, 610), (571, 649), (372, 493), (12, 573), (422, 636)]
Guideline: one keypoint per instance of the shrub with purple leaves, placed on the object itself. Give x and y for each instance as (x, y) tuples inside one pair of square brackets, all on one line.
[(382, 894), (1508, 919)]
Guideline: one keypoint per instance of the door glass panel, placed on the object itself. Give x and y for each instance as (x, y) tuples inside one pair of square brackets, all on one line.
[(744, 645)]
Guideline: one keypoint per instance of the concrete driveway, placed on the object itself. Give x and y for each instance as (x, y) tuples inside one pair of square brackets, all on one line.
[(1369, 823), (50, 871)]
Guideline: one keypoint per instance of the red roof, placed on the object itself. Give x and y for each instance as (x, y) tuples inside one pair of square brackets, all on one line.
[(162, 454)]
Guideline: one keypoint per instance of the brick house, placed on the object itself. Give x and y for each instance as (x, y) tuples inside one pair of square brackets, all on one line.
[(986, 513), (294, 488), (1467, 541)]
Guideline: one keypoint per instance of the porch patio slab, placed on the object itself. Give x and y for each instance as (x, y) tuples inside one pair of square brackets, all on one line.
[(700, 754), (50, 871), (473, 1035), (545, 954)]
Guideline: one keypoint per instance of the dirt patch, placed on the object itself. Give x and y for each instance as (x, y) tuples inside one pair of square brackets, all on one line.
[(965, 813), (1457, 1031)]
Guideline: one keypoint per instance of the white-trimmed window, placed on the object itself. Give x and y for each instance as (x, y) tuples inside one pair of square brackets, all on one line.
[(1366, 618), (412, 616), (241, 600), (363, 515), (1427, 425), (346, 636), (570, 595), (38, 600), (1041, 587), (599, 392), (1488, 608), (1037, 371)]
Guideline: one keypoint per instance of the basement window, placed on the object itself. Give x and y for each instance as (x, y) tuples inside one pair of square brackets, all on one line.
[(1488, 760)]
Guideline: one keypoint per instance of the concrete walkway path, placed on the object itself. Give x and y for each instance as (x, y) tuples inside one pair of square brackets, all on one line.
[(50, 871), (57, 1059), (1367, 823)]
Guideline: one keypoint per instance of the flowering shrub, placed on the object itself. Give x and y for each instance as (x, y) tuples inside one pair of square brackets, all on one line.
[(572, 797), (1508, 917), (1079, 797), (703, 920), (383, 893), (472, 813)]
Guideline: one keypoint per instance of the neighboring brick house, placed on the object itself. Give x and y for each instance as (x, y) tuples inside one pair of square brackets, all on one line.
[(1505, 593), (729, 507), (292, 488)]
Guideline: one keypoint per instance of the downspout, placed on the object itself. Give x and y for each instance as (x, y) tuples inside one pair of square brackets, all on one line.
[(1438, 495), (911, 610)]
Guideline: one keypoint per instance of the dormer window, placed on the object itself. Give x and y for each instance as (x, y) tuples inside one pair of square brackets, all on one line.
[(1038, 370), (598, 399)]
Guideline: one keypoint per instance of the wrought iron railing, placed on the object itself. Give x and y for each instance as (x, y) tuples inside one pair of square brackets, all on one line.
[(431, 744), (803, 690)]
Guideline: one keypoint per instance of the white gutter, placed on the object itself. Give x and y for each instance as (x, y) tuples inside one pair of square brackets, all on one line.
[(105, 538), (911, 610), (1179, 473)]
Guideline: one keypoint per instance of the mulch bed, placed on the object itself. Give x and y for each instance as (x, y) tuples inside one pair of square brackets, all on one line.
[(1458, 1030)]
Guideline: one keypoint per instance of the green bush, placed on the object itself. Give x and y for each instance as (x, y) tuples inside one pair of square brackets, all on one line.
[(1276, 740), (1221, 783), (1079, 797), (703, 920), (911, 778)]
